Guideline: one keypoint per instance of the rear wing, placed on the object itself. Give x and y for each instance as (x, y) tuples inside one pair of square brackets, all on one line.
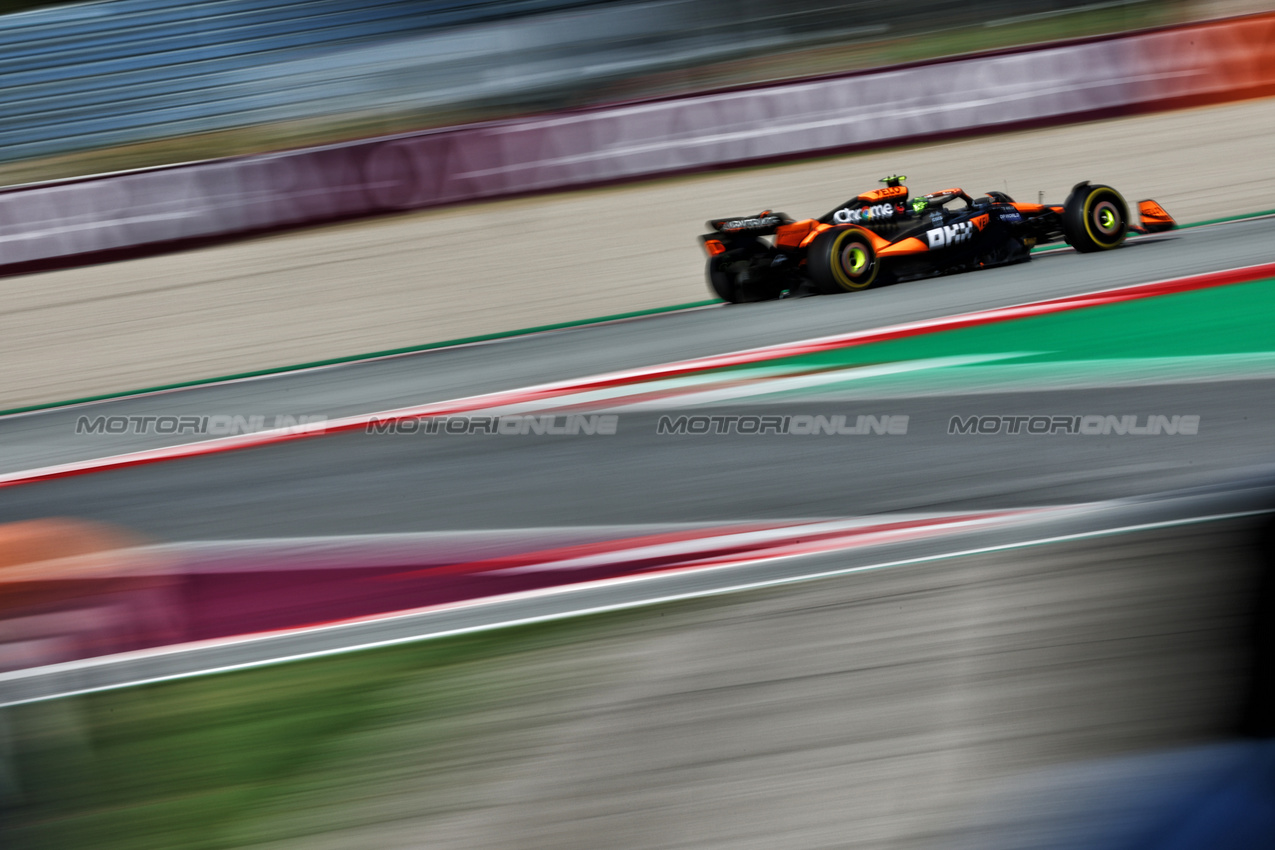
[(763, 224)]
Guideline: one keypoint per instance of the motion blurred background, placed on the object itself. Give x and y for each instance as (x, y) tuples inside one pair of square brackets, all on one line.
[(91, 87), (1105, 693)]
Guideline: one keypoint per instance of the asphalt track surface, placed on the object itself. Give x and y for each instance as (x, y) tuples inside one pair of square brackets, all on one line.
[(48, 437), (898, 693), (433, 275), (355, 483)]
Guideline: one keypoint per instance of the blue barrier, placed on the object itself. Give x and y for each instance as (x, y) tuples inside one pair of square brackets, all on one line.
[(114, 72), (117, 71)]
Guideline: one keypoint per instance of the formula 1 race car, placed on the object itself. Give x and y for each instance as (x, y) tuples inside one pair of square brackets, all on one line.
[(878, 237)]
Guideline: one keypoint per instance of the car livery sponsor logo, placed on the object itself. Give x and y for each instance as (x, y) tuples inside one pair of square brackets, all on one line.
[(955, 234), (1011, 216), (882, 194), (750, 223), (877, 212)]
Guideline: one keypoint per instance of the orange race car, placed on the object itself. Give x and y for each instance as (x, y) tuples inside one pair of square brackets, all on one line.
[(881, 237)]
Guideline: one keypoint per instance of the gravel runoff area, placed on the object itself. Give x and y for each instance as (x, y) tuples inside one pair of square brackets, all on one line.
[(889, 709), (486, 268)]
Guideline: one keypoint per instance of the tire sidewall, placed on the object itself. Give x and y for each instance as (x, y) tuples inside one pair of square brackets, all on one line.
[(721, 282), (1081, 219), (826, 260)]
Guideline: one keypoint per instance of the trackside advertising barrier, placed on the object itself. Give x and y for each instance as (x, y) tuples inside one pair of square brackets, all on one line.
[(143, 211)]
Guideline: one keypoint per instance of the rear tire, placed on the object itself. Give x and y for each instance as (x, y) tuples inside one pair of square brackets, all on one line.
[(1095, 218), (843, 260), (723, 276), (722, 281)]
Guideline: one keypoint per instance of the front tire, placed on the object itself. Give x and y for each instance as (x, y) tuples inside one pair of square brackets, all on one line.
[(1095, 218), (843, 260)]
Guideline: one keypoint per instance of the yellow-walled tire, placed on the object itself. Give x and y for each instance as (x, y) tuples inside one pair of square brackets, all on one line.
[(1095, 218), (842, 259)]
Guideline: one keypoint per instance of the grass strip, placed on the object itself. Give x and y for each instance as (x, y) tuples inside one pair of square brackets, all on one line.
[(233, 759)]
